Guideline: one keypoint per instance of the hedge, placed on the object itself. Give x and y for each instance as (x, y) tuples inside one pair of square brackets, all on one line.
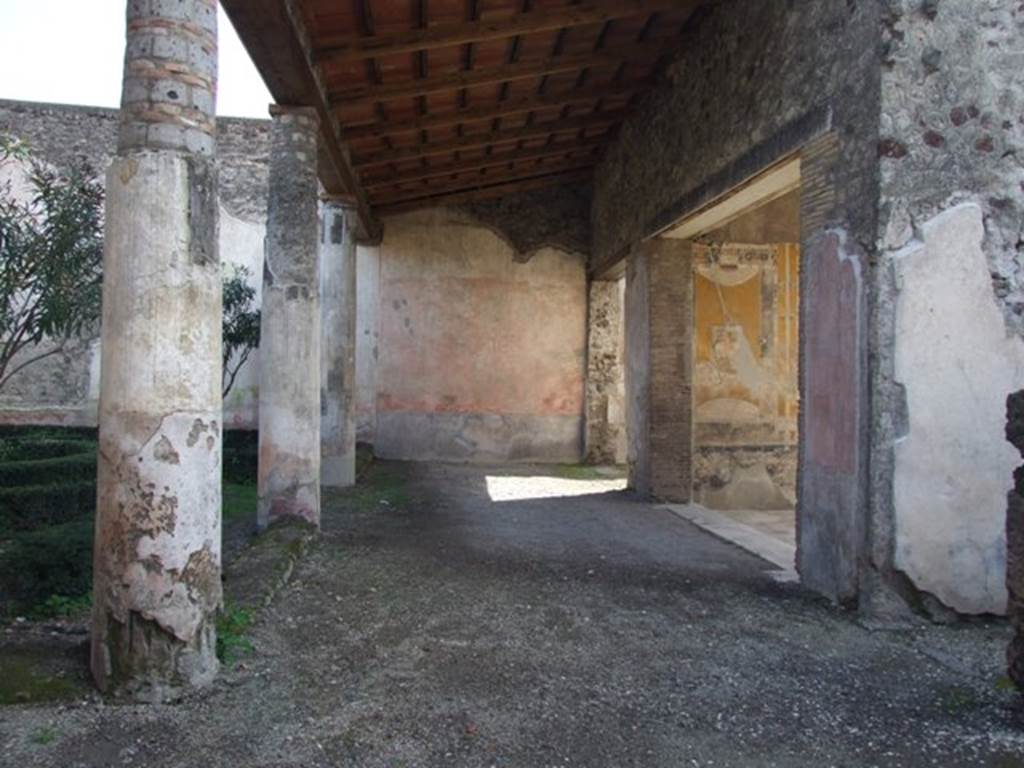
[(63, 469), (53, 561), (241, 455), (35, 432), (27, 507), (31, 450)]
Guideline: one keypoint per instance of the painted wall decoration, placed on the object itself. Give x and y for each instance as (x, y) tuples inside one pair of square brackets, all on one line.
[(746, 397)]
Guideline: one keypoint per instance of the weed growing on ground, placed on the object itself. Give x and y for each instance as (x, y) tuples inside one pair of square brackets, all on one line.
[(45, 735), (957, 699), (232, 626), (239, 501), (383, 487), (62, 607)]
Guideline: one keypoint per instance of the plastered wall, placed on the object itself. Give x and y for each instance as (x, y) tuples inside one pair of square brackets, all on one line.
[(480, 357), (948, 296)]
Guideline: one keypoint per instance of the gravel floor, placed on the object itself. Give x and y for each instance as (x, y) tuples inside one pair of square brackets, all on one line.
[(432, 626)]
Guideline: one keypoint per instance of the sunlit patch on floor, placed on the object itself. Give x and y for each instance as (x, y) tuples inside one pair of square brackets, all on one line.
[(515, 488)]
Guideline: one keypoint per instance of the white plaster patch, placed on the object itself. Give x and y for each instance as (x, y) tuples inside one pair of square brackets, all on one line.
[(185, 485), (954, 467)]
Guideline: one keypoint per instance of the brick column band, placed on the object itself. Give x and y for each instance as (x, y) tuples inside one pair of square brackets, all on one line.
[(289, 395), (170, 77), (671, 378), (659, 372), (338, 317), (156, 582)]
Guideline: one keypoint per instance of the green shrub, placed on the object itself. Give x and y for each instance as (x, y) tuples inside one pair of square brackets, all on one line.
[(48, 448), (241, 456), (35, 566), (232, 625), (27, 507), (62, 469), (61, 607), (33, 432), (238, 501)]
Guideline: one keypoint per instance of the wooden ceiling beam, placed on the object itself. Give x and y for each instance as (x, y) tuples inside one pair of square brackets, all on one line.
[(348, 48), (372, 94), (528, 103), (489, 161), (486, 193), (476, 140), (480, 180)]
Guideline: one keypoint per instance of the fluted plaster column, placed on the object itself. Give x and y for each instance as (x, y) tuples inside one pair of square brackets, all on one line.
[(156, 583), (289, 455), (338, 317)]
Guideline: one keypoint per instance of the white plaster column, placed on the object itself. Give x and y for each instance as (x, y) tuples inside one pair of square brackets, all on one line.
[(338, 355), (289, 454), (156, 583)]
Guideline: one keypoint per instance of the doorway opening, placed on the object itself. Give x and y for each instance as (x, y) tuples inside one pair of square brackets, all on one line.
[(745, 345)]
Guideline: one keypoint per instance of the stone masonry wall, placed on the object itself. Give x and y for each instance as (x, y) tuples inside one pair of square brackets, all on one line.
[(64, 388), (748, 75), (951, 198), (59, 133), (605, 439), (1015, 540), (556, 217)]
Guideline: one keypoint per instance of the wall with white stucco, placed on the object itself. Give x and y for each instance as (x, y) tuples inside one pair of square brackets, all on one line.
[(956, 363)]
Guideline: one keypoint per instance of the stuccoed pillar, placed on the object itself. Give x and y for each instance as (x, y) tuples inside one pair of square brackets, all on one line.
[(289, 458), (156, 582), (338, 358)]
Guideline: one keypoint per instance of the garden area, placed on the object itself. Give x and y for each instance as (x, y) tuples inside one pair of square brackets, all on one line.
[(47, 508)]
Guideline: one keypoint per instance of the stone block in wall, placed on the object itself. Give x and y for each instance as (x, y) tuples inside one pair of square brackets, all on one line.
[(604, 388)]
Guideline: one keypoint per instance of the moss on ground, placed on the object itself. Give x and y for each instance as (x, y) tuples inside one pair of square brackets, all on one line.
[(239, 501), (381, 486), (26, 679), (233, 625), (579, 472)]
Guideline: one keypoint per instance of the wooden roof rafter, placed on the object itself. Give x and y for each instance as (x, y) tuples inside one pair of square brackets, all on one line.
[(597, 121), (487, 161), (486, 177), (486, 191), (519, 105), (349, 48), (428, 95), (371, 94)]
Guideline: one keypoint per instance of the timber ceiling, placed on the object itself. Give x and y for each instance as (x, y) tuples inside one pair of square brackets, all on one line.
[(439, 101)]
